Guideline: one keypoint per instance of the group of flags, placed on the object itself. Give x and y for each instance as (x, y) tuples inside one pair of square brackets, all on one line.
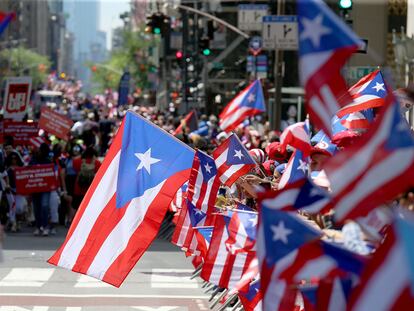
[(272, 257)]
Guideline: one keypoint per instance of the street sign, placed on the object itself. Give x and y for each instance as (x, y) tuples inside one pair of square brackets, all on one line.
[(354, 73), (250, 16), (17, 97), (280, 32)]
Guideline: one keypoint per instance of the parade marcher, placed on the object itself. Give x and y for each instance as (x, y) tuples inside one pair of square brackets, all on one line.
[(41, 200)]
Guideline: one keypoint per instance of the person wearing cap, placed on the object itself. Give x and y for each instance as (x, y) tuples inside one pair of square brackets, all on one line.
[(274, 152), (321, 152)]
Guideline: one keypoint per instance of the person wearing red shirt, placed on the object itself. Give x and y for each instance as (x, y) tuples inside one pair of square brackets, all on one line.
[(86, 166)]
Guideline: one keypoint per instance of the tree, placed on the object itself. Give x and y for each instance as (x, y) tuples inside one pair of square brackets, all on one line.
[(23, 62), (132, 55)]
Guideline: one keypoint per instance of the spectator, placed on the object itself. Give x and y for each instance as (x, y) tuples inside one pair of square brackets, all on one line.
[(41, 200)]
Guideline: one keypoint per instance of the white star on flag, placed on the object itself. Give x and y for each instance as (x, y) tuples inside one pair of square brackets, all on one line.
[(253, 221), (303, 166), (280, 232), (378, 87), (314, 30), (238, 154), (198, 212), (146, 160), (251, 98), (208, 168)]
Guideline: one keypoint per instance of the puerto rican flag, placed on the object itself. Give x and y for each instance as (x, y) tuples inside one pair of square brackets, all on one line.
[(325, 44), (279, 234), (367, 93), (247, 103), (121, 212), (5, 19), (328, 295), (320, 260), (296, 136), (204, 235), (232, 160), (203, 187), (385, 283), (296, 169), (301, 195), (178, 202), (241, 228), (379, 166), (221, 267), (252, 300), (190, 121)]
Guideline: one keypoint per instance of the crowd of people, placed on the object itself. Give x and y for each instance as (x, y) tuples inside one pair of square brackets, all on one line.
[(96, 120)]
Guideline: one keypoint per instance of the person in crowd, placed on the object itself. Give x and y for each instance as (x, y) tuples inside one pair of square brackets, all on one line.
[(17, 203), (41, 200), (85, 166), (73, 152)]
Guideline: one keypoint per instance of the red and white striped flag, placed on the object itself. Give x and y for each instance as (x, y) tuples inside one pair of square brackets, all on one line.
[(379, 166), (221, 267), (202, 192), (232, 160)]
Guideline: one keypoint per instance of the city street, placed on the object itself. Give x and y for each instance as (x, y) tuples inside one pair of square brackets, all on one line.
[(160, 281)]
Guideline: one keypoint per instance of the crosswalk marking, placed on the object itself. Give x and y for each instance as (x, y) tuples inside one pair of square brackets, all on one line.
[(85, 281), (172, 278), (27, 277)]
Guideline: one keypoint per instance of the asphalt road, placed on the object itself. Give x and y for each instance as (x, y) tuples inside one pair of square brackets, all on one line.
[(160, 281)]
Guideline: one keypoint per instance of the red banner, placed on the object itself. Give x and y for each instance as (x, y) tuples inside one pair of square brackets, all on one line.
[(20, 131), (55, 123), (35, 178), (17, 96)]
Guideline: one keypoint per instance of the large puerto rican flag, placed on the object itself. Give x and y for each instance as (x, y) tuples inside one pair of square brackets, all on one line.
[(325, 44), (5, 19), (247, 103), (121, 213)]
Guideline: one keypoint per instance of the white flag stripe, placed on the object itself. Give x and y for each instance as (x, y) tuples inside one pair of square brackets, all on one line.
[(99, 199), (233, 169), (346, 173), (236, 102), (338, 301), (314, 62), (237, 269), (317, 267), (228, 120), (324, 116), (390, 269), (197, 187), (329, 99), (285, 198), (221, 257), (120, 236), (377, 176)]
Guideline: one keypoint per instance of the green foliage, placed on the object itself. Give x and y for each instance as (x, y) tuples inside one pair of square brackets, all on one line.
[(23, 62), (132, 55)]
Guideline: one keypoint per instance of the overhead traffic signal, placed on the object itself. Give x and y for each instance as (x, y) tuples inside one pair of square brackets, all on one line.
[(345, 4), (179, 55), (157, 24), (204, 45)]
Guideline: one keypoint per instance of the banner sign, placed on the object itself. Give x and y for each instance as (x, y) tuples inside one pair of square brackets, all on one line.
[(17, 97), (20, 131), (35, 178), (55, 123)]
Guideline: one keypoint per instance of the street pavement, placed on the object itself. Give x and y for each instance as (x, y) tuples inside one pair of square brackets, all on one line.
[(160, 281)]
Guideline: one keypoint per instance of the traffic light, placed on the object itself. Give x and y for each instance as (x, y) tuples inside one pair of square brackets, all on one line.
[(157, 24), (345, 4), (204, 45), (94, 68), (179, 55)]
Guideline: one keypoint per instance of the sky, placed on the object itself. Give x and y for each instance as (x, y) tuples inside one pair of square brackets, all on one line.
[(109, 15)]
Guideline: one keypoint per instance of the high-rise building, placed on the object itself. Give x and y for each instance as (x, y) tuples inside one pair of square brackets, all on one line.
[(89, 42)]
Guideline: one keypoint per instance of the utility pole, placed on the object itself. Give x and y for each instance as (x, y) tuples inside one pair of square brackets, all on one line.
[(276, 109), (184, 16)]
